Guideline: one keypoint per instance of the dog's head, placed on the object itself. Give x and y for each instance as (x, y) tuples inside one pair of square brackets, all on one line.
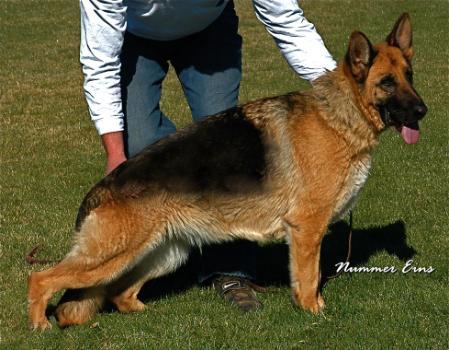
[(384, 77)]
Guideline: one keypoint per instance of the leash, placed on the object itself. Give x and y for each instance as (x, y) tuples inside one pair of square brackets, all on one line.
[(348, 255), (31, 259)]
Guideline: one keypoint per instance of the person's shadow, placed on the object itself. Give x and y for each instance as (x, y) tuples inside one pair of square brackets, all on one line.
[(272, 259)]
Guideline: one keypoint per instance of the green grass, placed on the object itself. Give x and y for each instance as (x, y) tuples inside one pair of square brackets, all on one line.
[(50, 156)]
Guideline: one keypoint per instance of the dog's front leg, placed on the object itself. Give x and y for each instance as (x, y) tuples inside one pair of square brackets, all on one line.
[(306, 234)]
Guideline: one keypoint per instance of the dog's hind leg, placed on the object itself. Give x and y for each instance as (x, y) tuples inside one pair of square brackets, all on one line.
[(78, 306), (70, 273), (164, 259), (108, 245)]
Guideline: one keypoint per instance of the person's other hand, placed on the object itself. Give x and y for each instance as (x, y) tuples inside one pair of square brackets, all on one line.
[(113, 162), (115, 150)]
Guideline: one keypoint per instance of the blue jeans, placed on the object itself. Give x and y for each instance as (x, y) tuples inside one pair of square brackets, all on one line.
[(208, 65)]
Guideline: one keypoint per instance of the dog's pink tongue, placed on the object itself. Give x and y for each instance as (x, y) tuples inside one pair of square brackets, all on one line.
[(409, 135)]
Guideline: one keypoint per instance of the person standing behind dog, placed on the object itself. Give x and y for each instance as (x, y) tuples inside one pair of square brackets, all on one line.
[(125, 51)]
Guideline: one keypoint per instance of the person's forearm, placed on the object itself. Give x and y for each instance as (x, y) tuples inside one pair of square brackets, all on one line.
[(297, 38), (103, 24), (115, 150)]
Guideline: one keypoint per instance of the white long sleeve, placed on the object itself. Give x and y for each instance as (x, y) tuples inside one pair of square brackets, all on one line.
[(296, 37), (103, 24)]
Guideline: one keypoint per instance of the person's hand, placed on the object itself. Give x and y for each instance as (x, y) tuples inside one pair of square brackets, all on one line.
[(115, 150), (113, 162)]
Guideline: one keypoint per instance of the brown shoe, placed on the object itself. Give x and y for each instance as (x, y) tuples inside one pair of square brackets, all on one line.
[(238, 291)]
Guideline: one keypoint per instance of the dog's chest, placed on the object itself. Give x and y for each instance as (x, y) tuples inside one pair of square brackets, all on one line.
[(354, 182)]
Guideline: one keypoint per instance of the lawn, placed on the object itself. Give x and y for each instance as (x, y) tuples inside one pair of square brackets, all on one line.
[(50, 155)]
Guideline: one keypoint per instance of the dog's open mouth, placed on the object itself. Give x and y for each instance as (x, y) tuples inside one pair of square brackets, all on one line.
[(409, 132)]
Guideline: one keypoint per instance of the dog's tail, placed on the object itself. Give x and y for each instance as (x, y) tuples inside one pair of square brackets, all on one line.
[(78, 306)]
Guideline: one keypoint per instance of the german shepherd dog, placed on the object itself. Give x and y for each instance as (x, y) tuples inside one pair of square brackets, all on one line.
[(278, 167)]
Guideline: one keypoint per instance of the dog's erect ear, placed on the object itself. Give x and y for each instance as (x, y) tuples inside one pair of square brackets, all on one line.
[(401, 36), (360, 56)]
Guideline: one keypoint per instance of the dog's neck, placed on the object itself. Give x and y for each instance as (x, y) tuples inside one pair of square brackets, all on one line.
[(347, 113)]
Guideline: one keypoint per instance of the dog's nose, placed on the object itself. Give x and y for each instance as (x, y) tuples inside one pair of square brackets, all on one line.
[(420, 110)]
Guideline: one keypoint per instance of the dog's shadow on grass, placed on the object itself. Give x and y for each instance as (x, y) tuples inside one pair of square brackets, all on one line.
[(272, 259)]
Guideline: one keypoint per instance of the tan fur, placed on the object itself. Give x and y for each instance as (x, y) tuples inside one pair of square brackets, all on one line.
[(318, 158)]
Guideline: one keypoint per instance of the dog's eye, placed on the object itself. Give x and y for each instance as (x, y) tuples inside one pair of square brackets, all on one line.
[(388, 83), (409, 75)]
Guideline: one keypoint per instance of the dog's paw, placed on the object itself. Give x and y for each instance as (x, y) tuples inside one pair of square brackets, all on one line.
[(313, 303), (129, 305), (321, 302), (40, 325)]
